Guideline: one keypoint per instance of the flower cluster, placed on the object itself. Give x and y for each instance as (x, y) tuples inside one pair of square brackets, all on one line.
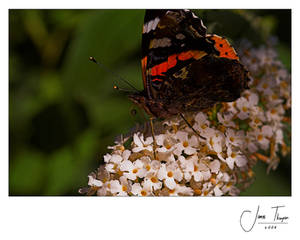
[(218, 159)]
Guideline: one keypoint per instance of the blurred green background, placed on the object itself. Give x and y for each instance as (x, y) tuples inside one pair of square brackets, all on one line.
[(63, 111)]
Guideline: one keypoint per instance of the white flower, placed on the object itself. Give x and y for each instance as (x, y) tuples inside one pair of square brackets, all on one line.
[(141, 144), (262, 136), (214, 166), (151, 182), (235, 157), (94, 182), (169, 173), (119, 188), (206, 175), (275, 113), (201, 122), (245, 104), (257, 117), (186, 144), (279, 136), (193, 168), (133, 170), (113, 162), (115, 158), (266, 56), (265, 87), (138, 190), (126, 154), (251, 145), (226, 119), (223, 176), (217, 191), (166, 144), (181, 190), (107, 157), (235, 138), (215, 140), (150, 166)]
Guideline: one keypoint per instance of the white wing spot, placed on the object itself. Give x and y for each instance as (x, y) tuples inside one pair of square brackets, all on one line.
[(194, 16), (161, 42), (180, 36), (202, 25), (151, 25)]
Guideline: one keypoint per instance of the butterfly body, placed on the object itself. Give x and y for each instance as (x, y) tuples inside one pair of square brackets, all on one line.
[(185, 69)]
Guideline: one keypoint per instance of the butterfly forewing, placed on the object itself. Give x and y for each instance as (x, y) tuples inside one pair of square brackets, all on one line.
[(171, 40)]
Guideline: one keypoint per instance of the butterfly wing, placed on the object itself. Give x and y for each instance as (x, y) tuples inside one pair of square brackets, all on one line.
[(184, 68), (223, 47), (172, 39)]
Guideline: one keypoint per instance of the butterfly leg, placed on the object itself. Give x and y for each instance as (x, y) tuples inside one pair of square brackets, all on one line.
[(154, 140), (186, 121)]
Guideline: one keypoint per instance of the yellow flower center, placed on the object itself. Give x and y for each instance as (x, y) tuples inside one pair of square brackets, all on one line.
[(148, 167), (231, 139), (185, 144), (259, 137), (170, 174), (273, 111), (274, 96), (213, 181), (245, 109), (171, 191), (204, 149), (283, 84), (223, 167), (122, 148), (222, 128), (265, 85), (168, 146), (233, 155), (124, 188), (154, 179), (195, 168), (197, 192), (104, 180), (203, 126), (143, 193), (274, 69), (135, 170)]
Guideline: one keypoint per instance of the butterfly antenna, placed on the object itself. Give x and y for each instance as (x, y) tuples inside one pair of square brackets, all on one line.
[(191, 127), (92, 59)]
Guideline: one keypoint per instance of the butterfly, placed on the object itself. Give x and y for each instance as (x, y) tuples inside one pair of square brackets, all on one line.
[(184, 68)]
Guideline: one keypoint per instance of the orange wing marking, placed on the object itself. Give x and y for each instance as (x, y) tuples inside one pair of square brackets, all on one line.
[(223, 46), (161, 68)]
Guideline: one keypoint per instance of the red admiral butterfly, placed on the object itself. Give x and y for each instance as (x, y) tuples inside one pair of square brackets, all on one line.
[(184, 68)]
